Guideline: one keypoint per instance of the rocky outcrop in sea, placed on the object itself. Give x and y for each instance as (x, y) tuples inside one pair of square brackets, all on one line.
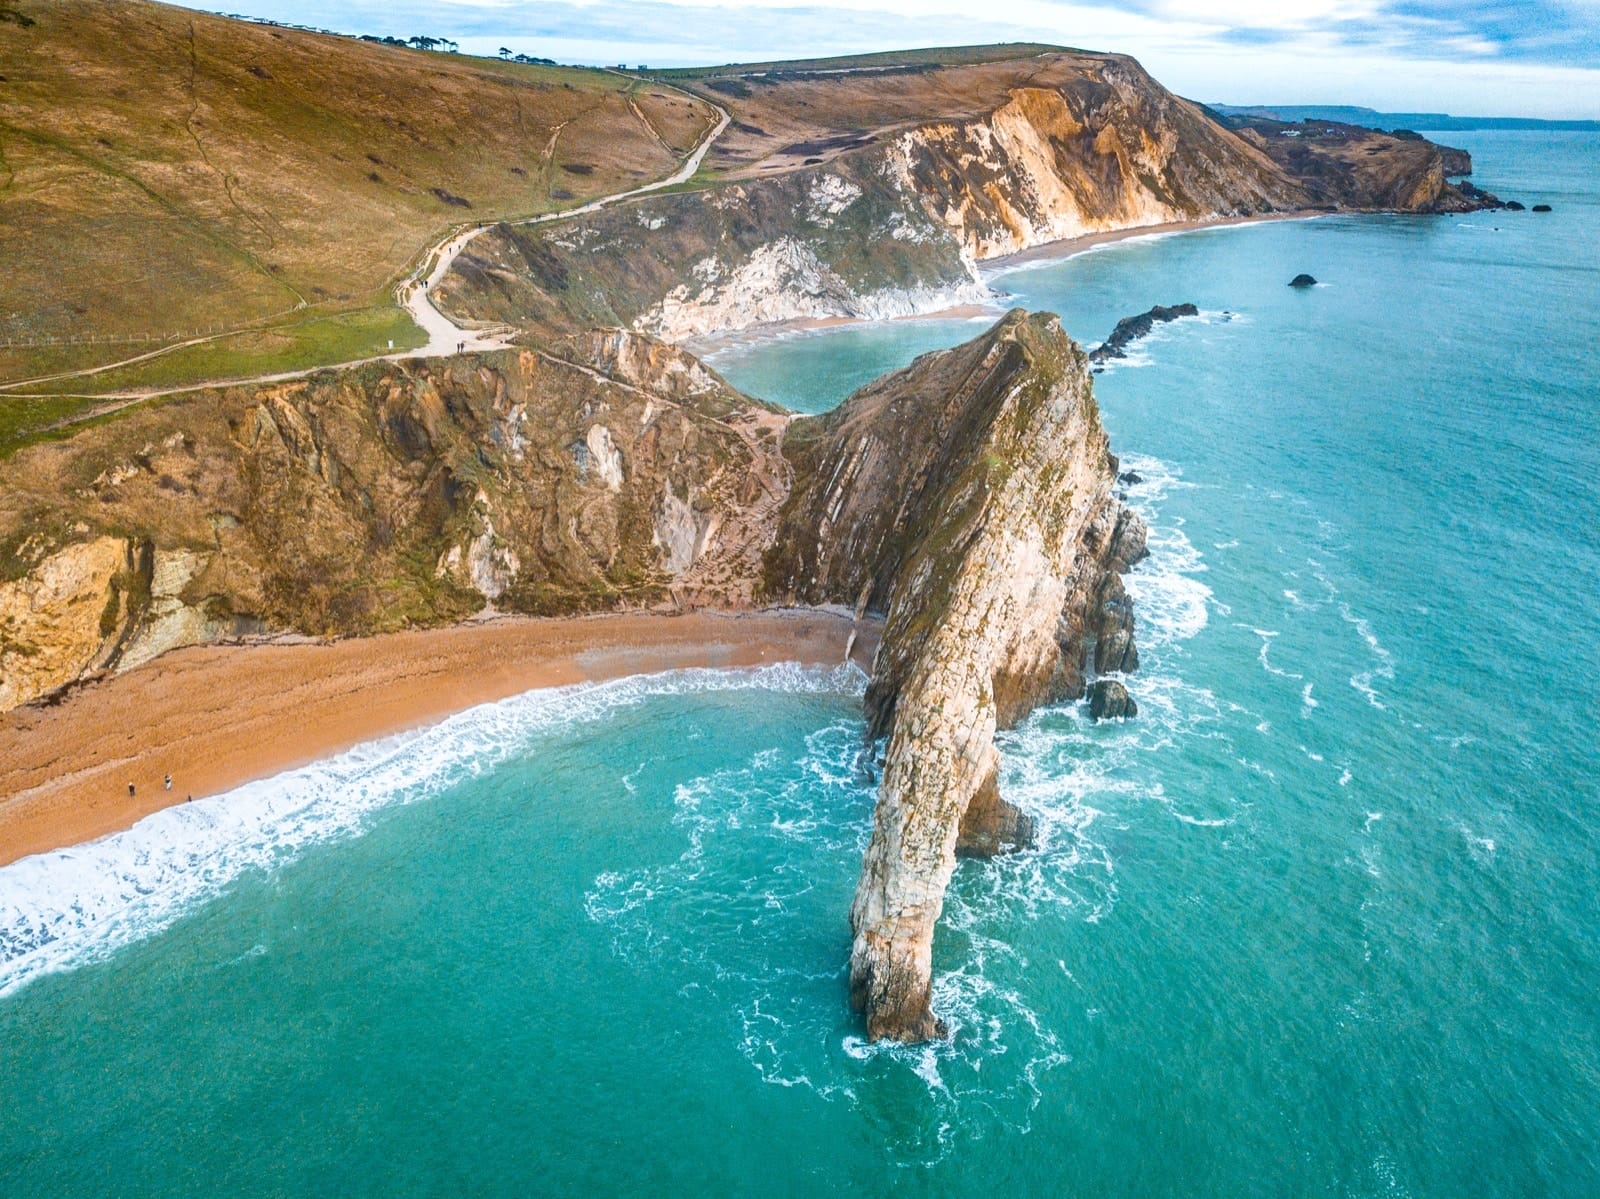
[(970, 498), (1131, 328)]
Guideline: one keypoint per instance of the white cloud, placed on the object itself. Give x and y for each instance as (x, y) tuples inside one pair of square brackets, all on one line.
[(1531, 58)]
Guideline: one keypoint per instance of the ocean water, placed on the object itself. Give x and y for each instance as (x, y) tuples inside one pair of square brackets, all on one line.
[(1321, 921)]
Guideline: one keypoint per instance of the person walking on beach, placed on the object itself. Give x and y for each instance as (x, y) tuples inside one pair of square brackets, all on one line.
[(167, 779), (130, 790)]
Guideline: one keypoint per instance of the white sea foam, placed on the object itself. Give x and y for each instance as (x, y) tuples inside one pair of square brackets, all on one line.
[(723, 915), (1267, 636), (1170, 602), (1481, 848), (1132, 358), (1046, 259), (64, 908), (1383, 668)]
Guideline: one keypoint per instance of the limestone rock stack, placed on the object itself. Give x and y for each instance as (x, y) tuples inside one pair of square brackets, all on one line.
[(971, 497)]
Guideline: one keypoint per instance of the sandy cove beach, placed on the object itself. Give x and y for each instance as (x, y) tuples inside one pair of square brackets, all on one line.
[(713, 344), (220, 716)]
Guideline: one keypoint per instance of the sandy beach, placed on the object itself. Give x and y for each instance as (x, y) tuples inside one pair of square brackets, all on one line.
[(217, 717)]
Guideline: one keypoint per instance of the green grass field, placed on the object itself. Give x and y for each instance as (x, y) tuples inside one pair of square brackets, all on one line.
[(315, 341)]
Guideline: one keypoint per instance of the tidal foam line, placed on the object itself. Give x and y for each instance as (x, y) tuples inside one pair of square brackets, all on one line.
[(68, 907)]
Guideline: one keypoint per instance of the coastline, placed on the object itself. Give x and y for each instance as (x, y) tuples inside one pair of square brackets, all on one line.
[(711, 345), (65, 767), (216, 717)]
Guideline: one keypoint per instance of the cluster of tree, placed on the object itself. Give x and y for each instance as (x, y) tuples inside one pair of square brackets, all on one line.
[(239, 16), (420, 42), (538, 62), (443, 44)]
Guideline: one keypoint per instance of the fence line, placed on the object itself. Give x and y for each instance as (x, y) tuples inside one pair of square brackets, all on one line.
[(113, 339)]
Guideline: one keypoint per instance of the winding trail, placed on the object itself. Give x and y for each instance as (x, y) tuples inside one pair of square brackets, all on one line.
[(414, 294)]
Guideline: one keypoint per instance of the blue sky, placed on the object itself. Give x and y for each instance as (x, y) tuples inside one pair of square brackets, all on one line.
[(1498, 57)]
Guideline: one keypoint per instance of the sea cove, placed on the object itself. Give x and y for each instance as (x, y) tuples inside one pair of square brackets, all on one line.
[(1319, 921)]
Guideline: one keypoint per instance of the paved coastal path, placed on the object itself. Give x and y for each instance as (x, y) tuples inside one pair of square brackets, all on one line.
[(414, 294)]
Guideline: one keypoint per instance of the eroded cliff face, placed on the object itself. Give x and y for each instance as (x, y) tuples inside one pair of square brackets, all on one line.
[(55, 621), (1351, 167), (899, 225), (607, 471), (1116, 151), (971, 496)]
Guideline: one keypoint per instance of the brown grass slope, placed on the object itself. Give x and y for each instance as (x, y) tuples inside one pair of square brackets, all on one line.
[(163, 170), (788, 117)]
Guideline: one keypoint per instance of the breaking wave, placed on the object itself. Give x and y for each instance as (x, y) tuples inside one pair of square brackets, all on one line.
[(72, 906)]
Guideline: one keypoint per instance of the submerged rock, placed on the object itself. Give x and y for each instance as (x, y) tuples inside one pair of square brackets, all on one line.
[(1302, 281), (1514, 206), (1131, 328), (1109, 700)]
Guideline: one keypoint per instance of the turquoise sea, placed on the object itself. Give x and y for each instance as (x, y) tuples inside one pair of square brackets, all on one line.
[(1322, 921)]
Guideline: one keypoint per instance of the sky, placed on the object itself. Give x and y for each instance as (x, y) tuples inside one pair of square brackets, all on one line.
[(1535, 58)]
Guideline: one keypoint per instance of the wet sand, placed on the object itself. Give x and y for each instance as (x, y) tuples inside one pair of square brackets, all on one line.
[(220, 716)]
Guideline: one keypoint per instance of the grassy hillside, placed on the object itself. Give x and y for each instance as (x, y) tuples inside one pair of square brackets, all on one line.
[(165, 173)]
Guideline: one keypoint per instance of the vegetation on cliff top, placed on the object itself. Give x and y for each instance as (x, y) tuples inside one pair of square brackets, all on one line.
[(165, 172)]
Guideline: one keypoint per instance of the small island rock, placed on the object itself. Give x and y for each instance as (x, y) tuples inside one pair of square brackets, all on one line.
[(1109, 700), (1541, 208), (1302, 281)]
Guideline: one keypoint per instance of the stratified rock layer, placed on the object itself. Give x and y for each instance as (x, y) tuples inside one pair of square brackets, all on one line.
[(605, 471), (972, 496)]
